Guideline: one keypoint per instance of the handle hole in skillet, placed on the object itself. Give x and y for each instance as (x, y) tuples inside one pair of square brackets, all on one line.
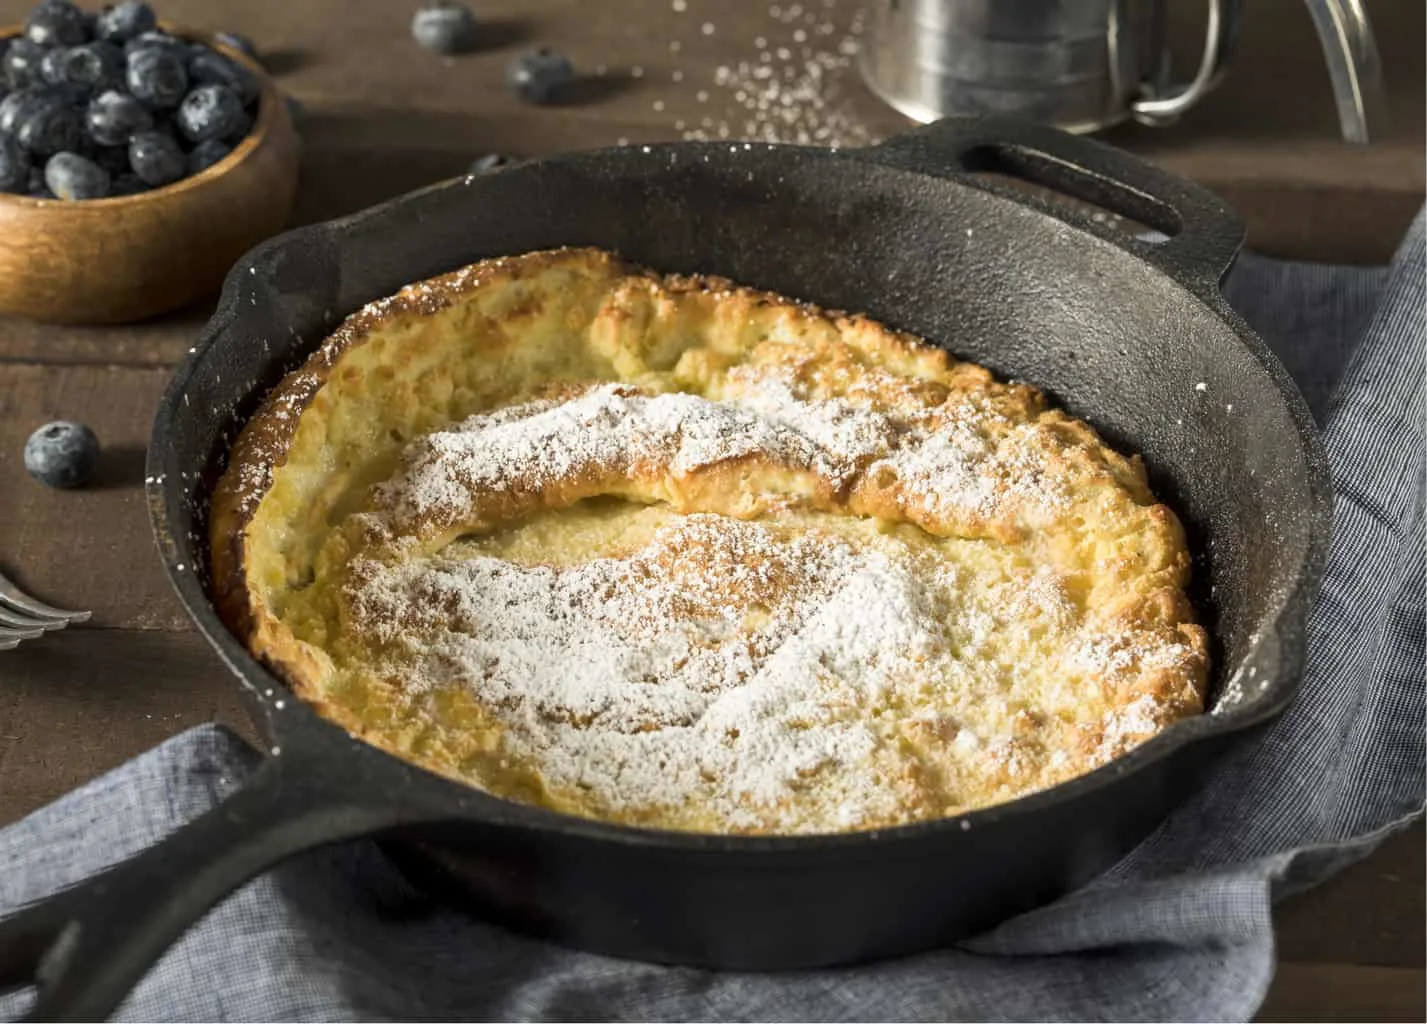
[(1060, 184)]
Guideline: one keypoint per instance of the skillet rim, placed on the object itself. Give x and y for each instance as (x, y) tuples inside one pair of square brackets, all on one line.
[(1281, 635)]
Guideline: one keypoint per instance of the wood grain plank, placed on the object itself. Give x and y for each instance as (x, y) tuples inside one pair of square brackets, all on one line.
[(1345, 992), (1371, 913), (158, 342), (79, 703), (89, 548)]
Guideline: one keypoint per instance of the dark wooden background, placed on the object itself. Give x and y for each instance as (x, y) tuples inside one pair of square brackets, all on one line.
[(384, 117)]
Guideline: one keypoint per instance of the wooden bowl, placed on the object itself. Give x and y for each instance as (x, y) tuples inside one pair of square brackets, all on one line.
[(105, 261)]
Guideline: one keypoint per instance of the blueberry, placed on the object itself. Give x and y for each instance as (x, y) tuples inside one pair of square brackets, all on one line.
[(126, 20), (489, 162), (11, 107), (209, 112), (537, 76), (71, 176), (234, 41), (51, 124), (208, 68), (14, 166), (113, 117), (92, 65), (206, 154), (444, 26), (158, 39), (22, 63), (156, 158), (62, 454), (156, 77), (56, 23)]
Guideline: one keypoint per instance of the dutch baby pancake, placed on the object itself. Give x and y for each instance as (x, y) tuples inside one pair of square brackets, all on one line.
[(672, 552)]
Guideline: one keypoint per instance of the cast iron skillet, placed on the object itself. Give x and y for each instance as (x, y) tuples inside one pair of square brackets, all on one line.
[(1131, 335)]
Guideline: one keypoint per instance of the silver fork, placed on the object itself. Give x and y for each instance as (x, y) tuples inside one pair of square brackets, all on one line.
[(24, 618)]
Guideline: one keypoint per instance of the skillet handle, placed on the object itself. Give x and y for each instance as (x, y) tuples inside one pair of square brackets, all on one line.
[(87, 946), (1204, 233)]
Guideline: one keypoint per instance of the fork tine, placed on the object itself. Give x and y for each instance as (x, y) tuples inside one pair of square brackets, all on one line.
[(18, 600), (10, 638), (15, 619)]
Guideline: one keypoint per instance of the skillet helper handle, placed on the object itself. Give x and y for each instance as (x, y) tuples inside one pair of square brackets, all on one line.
[(87, 946), (1202, 233)]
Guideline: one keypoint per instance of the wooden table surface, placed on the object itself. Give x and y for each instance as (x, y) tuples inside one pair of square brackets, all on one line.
[(384, 117)]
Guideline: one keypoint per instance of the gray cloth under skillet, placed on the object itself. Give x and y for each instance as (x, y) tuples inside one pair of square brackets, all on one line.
[(1180, 930)]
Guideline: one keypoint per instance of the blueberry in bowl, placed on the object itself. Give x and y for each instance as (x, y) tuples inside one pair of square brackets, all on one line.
[(128, 137)]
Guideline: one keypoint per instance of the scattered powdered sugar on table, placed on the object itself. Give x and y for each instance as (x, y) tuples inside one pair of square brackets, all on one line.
[(794, 85)]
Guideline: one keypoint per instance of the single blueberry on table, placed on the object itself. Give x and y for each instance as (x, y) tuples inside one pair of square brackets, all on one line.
[(206, 154), (50, 125), (71, 176), (57, 23), (113, 117), (538, 76), (209, 112), (62, 454), (208, 68), (156, 158), (22, 64), (444, 26), (91, 65), (156, 77), (14, 166), (234, 41), (124, 21)]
